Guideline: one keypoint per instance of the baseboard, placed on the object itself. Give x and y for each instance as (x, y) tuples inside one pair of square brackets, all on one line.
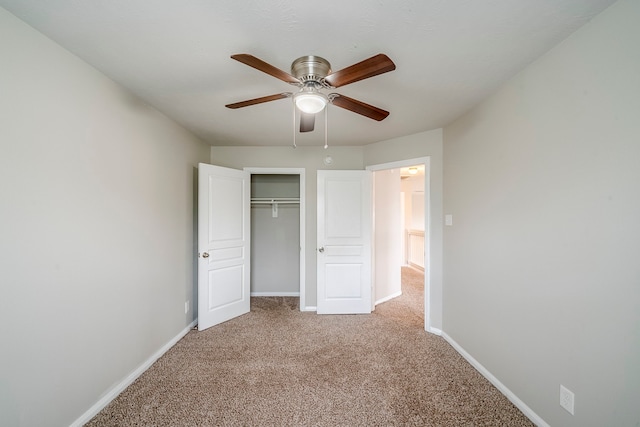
[(390, 297), (416, 267), (309, 308), (435, 331), (528, 412), (119, 388), (275, 294)]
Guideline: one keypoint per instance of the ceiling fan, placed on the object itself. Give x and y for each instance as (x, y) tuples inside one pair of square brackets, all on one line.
[(313, 74)]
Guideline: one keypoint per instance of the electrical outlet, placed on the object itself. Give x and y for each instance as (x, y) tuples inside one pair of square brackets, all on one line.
[(186, 307), (566, 399)]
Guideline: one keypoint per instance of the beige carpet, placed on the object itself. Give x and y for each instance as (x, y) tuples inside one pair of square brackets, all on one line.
[(277, 366)]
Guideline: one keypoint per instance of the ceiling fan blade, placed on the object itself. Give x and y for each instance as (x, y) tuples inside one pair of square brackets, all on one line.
[(307, 122), (258, 100), (359, 107), (259, 64), (373, 66)]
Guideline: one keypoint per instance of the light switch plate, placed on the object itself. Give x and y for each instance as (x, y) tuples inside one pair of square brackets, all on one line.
[(448, 219)]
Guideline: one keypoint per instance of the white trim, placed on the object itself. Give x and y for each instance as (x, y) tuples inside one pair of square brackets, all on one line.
[(126, 382), (435, 331), (309, 308), (426, 161), (399, 164), (275, 294), (528, 412), (387, 298), (301, 172)]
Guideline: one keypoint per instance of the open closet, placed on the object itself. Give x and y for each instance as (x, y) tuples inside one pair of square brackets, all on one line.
[(275, 234)]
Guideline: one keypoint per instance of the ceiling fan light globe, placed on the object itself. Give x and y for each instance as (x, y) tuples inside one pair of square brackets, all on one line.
[(310, 103)]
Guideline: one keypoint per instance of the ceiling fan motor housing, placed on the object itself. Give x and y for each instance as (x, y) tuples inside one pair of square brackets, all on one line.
[(310, 69)]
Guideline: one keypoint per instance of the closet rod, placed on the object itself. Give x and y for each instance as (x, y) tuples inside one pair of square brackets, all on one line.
[(275, 203), (277, 200)]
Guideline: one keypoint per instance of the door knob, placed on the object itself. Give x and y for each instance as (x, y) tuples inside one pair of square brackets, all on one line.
[(205, 255), (321, 249)]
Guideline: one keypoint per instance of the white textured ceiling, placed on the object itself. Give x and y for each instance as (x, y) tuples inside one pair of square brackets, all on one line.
[(175, 55)]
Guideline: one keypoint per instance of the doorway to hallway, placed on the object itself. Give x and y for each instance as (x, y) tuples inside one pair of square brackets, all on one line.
[(401, 232)]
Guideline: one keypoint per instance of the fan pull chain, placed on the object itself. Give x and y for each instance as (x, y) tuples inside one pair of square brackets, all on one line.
[(326, 127), (294, 125)]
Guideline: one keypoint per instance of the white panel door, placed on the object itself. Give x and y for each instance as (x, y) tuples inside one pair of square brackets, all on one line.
[(223, 244), (344, 242)]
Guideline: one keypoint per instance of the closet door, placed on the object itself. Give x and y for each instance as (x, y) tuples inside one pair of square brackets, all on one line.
[(223, 244)]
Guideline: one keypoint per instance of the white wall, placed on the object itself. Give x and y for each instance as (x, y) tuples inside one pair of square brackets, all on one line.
[(411, 220), (542, 276), (413, 187), (417, 210), (96, 208), (387, 233)]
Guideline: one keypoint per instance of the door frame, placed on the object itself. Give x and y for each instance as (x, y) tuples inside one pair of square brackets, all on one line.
[(301, 173), (430, 274)]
